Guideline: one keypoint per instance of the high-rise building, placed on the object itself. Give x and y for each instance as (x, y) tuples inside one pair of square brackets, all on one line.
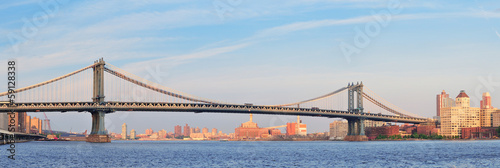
[(162, 134), (187, 130), (4, 121), (124, 131), (486, 102), (338, 129), (496, 118), (36, 125), (27, 124), (205, 130), (443, 101), (197, 130), (453, 119), (132, 134), (149, 132), (296, 128), (178, 131), (486, 111), (20, 122), (214, 131)]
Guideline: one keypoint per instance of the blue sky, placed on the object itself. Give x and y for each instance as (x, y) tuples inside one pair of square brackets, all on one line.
[(264, 52)]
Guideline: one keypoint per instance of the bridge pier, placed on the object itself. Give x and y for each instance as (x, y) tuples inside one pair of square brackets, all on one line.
[(98, 133), (356, 126), (356, 130)]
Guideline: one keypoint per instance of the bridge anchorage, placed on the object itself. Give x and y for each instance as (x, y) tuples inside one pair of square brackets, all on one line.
[(72, 92)]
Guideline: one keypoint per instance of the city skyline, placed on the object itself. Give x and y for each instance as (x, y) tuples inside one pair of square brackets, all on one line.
[(224, 59)]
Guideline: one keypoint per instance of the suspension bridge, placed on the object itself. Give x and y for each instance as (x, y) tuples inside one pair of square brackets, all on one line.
[(85, 90)]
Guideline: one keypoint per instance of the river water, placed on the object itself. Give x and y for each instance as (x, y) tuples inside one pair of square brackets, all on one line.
[(255, 154)]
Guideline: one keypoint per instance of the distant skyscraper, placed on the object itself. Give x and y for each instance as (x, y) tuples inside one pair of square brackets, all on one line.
[(178, 131), (487, 111), (496, 119), (187, 130), (4, 121), (443, 100), (205, 130), (338, 129), (197, 130), (214, 131), (486, 102), (162, 134), (149, 132), (27, 124), (124, 131), (132, 134), (36, 125)]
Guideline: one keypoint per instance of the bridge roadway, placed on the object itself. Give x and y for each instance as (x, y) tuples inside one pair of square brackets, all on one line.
[(110, 107)]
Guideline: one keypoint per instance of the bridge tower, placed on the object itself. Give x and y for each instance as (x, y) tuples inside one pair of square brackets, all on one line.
[(356, 127), (98, 133)]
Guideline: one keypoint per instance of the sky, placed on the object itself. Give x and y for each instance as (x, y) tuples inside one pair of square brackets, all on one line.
[(263, 52)]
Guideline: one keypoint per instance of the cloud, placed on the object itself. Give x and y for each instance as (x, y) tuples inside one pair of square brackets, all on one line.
[(182, 59), (6, 5)]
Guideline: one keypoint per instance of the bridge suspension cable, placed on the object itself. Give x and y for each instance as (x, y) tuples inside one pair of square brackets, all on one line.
[(154, 86), (386, 105), (314, 99), (49, 81)]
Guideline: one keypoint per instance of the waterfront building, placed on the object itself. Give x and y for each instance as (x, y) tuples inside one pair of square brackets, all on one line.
[(427, 130), (4, 121), (214, 131), (205, 130), (162, 134), (197, 136), (197, 130), (178, 131), (496, 118), (27, 124), (250, 130), (453, 119), (132, 134), (149, 132), (478, 133), (296, 128), (124, 131), (187, 130), (338, 129), (19, 121), (247, 130), (373, 132), (36, 125)]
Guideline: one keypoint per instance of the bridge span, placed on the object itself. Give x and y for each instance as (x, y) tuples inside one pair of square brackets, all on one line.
[(42, 100)]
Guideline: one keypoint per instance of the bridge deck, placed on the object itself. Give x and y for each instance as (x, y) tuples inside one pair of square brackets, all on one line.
[(199, 108)]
